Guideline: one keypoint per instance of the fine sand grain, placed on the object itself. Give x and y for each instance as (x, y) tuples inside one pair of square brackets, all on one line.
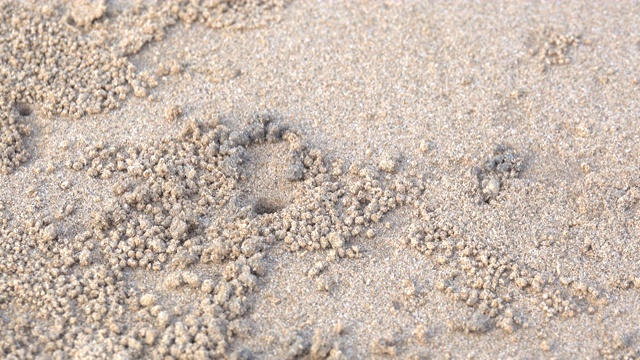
[(319, 180)]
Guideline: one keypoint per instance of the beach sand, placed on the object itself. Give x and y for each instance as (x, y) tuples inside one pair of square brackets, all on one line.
[(324, 180)]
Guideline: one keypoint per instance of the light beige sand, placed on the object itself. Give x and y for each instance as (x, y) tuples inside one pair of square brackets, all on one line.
[(274, 179)]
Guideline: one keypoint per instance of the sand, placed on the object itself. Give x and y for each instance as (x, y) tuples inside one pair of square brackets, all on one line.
[(321, 180)]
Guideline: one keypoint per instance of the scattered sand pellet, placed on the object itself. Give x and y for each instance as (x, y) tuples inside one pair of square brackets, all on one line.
[(147, 300), (84, 12), (387, 164), (172, 113)]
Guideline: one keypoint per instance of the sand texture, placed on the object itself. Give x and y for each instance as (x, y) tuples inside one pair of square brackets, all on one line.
[(293, 179)]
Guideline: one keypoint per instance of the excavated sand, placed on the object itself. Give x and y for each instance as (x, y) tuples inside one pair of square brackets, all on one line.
[(319, 180)]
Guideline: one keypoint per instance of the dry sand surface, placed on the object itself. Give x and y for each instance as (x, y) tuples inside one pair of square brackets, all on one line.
[(319, 180)]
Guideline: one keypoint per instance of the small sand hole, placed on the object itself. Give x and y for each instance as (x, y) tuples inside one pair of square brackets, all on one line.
[(24, 109), (71, 21), (267, 206)]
